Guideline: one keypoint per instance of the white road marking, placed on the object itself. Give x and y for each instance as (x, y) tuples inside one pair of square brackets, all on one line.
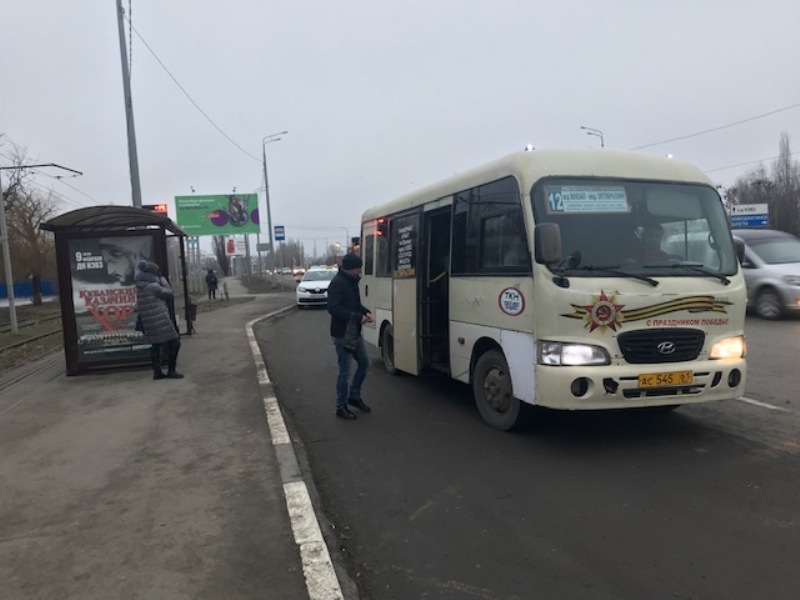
[(321, 580), (763, 404)]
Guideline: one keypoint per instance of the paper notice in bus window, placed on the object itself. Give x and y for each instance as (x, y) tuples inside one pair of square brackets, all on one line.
[(586, 199)]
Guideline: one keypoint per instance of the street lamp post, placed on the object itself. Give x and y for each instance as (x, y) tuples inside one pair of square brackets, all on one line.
[(264, 141), (596, 132)]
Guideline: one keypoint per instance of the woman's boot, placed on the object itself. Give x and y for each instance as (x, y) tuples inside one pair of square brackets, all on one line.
[(174, 346), (155, 359)]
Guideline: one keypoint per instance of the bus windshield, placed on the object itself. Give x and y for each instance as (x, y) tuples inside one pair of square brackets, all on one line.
[(650, 229)]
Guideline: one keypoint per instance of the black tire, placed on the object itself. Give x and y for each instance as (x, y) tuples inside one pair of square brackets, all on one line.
[(768, 304), (494, 396), (387, 350)]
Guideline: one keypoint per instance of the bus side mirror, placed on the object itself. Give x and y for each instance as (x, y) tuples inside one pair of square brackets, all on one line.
[(739, 247), (547, 243)]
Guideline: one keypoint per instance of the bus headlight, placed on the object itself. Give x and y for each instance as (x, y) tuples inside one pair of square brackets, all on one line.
[(732, 347), (572, 355)]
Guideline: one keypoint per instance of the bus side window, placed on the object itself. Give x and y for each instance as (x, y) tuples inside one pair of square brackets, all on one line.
[(382, 263), (369, 248), (488, 229)]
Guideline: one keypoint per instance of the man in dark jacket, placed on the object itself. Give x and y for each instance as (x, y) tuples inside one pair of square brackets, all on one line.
[(347, 313)]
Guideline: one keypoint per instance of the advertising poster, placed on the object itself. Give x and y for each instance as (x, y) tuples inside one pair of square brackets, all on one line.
[(104, 296), (218, 215)]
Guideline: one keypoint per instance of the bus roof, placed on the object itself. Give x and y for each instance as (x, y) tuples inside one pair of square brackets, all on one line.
[(529, 166)]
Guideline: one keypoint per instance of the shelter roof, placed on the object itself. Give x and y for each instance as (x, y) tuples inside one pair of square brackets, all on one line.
[(110, 218)]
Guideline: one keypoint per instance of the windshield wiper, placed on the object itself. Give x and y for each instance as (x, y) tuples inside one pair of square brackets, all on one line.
[(615, 270), (692, 266)]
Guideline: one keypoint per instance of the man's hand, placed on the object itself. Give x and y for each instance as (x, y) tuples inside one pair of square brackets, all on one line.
[(366, 319)]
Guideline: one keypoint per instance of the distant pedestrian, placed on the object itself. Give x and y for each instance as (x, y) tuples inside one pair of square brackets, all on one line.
[(153, 294), (211, 282), (347, 317)]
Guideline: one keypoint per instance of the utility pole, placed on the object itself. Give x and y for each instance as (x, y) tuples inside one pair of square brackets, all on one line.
[(12, 310), (133, 158)]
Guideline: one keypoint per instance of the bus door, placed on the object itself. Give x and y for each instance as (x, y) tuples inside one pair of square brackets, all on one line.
[(371, 249), (434, 296), (404, 239)]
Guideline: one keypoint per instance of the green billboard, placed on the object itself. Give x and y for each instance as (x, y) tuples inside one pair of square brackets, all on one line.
[(218, 215)]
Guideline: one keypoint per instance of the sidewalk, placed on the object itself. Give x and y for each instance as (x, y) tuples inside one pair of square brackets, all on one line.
[(118, 486)]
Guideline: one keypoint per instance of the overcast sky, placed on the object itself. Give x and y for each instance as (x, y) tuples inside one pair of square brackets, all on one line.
[(382, 97)]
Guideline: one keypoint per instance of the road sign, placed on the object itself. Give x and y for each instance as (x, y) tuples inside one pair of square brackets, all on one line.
[(262, 247), (749, 209), (749, 215), (749, 221), (280, 233)]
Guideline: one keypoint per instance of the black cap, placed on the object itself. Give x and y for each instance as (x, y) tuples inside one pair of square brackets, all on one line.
[(351, 261)]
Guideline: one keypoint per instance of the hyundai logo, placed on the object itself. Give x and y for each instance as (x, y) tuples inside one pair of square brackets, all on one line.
[(666, 347)]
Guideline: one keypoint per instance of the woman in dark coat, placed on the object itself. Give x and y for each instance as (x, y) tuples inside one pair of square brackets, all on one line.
[(153, 292)]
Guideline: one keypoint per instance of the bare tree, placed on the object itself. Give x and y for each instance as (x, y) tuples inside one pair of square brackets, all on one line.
[(222, 256), (32, 250), (16, 176), (750, 188), (786, 190)]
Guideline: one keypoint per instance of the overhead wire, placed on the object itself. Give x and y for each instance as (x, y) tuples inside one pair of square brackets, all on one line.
[(713, 129), (60, 178), (750, 162), (197, 106)]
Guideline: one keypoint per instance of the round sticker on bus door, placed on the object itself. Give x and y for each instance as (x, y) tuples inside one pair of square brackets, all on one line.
[(511, 301)]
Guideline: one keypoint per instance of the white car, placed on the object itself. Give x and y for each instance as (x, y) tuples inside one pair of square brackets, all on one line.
[(313, 287)]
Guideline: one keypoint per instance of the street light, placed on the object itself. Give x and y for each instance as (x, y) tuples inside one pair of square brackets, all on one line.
[(596, 132), (264, 141)]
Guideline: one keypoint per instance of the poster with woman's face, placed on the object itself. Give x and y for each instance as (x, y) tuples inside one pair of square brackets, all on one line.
[(104, 295)]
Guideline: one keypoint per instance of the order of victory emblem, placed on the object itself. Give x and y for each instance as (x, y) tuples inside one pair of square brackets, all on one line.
[(602, 312)]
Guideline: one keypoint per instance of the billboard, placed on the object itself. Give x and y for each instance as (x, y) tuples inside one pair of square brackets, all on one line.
[(104, 296), (229, 214), (235, 247)]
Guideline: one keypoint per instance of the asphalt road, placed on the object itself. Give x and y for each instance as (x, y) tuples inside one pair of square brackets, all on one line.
[(422, 500)]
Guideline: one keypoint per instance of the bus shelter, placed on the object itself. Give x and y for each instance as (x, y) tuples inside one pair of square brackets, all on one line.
[(97, 249)]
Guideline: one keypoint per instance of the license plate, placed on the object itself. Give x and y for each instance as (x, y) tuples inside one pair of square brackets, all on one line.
[(650, 380)]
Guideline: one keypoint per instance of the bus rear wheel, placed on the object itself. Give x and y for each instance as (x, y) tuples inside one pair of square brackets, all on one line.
[(494, 395), (387, 350)]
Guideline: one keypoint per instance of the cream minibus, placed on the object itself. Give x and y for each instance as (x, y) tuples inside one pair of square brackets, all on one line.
[(543, 278)]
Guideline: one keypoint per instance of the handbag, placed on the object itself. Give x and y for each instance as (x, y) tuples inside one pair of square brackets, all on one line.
[(352, 335)]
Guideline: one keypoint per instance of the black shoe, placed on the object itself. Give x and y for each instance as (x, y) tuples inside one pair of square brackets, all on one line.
[(343, 413), (359, 404), (173, 375), (158, 375)]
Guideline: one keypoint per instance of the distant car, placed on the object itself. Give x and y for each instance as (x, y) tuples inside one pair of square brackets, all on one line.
[(286, 271), (313, 287), (771, 270)]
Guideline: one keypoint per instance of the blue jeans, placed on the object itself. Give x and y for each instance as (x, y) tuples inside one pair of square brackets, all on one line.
[(353, 391)]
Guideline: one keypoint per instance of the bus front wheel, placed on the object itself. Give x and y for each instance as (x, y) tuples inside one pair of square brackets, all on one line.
[(494, 395), (387, 350)]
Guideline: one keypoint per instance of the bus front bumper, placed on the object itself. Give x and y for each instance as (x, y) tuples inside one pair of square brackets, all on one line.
[(629, 386)]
